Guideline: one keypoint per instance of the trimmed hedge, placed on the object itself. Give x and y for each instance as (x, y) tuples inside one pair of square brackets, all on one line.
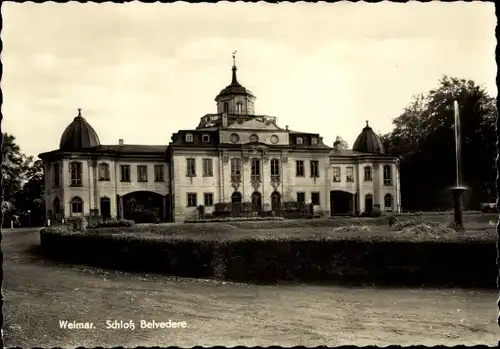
[(233, 219), (261, 260), (112, 223)]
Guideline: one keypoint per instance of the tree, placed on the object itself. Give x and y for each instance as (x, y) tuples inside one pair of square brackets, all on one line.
[(409, 128), (31, 199), (424, 136), (14, 168), (22, 182), (341, 143)]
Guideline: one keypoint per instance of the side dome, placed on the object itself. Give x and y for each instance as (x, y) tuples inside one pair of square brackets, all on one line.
[(368, 142), (79, 135)]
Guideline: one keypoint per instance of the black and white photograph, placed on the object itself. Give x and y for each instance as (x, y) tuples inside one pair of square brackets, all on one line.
[(249, 174)]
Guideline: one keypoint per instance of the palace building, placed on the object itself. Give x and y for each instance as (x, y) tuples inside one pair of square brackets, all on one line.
[(233, 155)]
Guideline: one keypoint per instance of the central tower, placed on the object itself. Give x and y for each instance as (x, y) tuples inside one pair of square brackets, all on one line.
[(235, 99)]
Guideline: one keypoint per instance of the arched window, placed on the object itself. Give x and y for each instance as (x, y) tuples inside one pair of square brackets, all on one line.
[(103, 171), (388, 202), (275, 169), (226, 107), (77, 205), (76, 173), (239, 107), (368, 173)]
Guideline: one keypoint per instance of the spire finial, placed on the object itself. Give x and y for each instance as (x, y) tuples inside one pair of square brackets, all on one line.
[(234, 58), (79, 112), (235, 80), (367, 124)]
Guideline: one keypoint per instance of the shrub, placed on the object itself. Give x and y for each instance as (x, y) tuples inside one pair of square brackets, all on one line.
[(374, 214), (234, 219), (201, 211), (77, 223), (222, 209), (352, 228), (113, 223)]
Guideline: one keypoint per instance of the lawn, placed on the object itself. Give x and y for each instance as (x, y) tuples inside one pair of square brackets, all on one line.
[(479, 227)]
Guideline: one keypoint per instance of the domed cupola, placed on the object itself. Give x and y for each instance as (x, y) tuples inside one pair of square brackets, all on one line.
[(78, 135), (368, 142), (234, 98)]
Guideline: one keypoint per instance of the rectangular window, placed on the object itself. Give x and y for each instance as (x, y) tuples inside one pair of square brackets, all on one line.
[(349, 174), (275, 170), (205, 138), (255, 169), (314, 168), (56, 175), (190, 167), (235, 170), (301, 197), (159, 174), (125, 173), (299, 168), (208, 199), (103, 172), (208, 168), (76, 173), (191, 200), (314, 141), (142, 173), (336, 174), (368, 173), (387, 175), (315, 198)]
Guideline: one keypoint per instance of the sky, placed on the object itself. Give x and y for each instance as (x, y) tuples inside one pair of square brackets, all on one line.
[(140, 72)]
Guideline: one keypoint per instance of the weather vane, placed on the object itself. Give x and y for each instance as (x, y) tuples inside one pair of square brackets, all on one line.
[(234, 57)]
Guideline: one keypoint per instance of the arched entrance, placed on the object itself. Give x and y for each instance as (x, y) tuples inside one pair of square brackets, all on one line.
[(236, 199), (256, 202), (388, 202), (341, 203), (368, 203), (144, 207), (276, 202), (105, 208), (76, 206)]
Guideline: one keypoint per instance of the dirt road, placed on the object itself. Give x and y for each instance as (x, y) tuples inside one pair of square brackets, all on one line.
[(38, 294)]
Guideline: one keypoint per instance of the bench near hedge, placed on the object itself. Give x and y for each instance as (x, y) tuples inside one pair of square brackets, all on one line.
[(470, 264)]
